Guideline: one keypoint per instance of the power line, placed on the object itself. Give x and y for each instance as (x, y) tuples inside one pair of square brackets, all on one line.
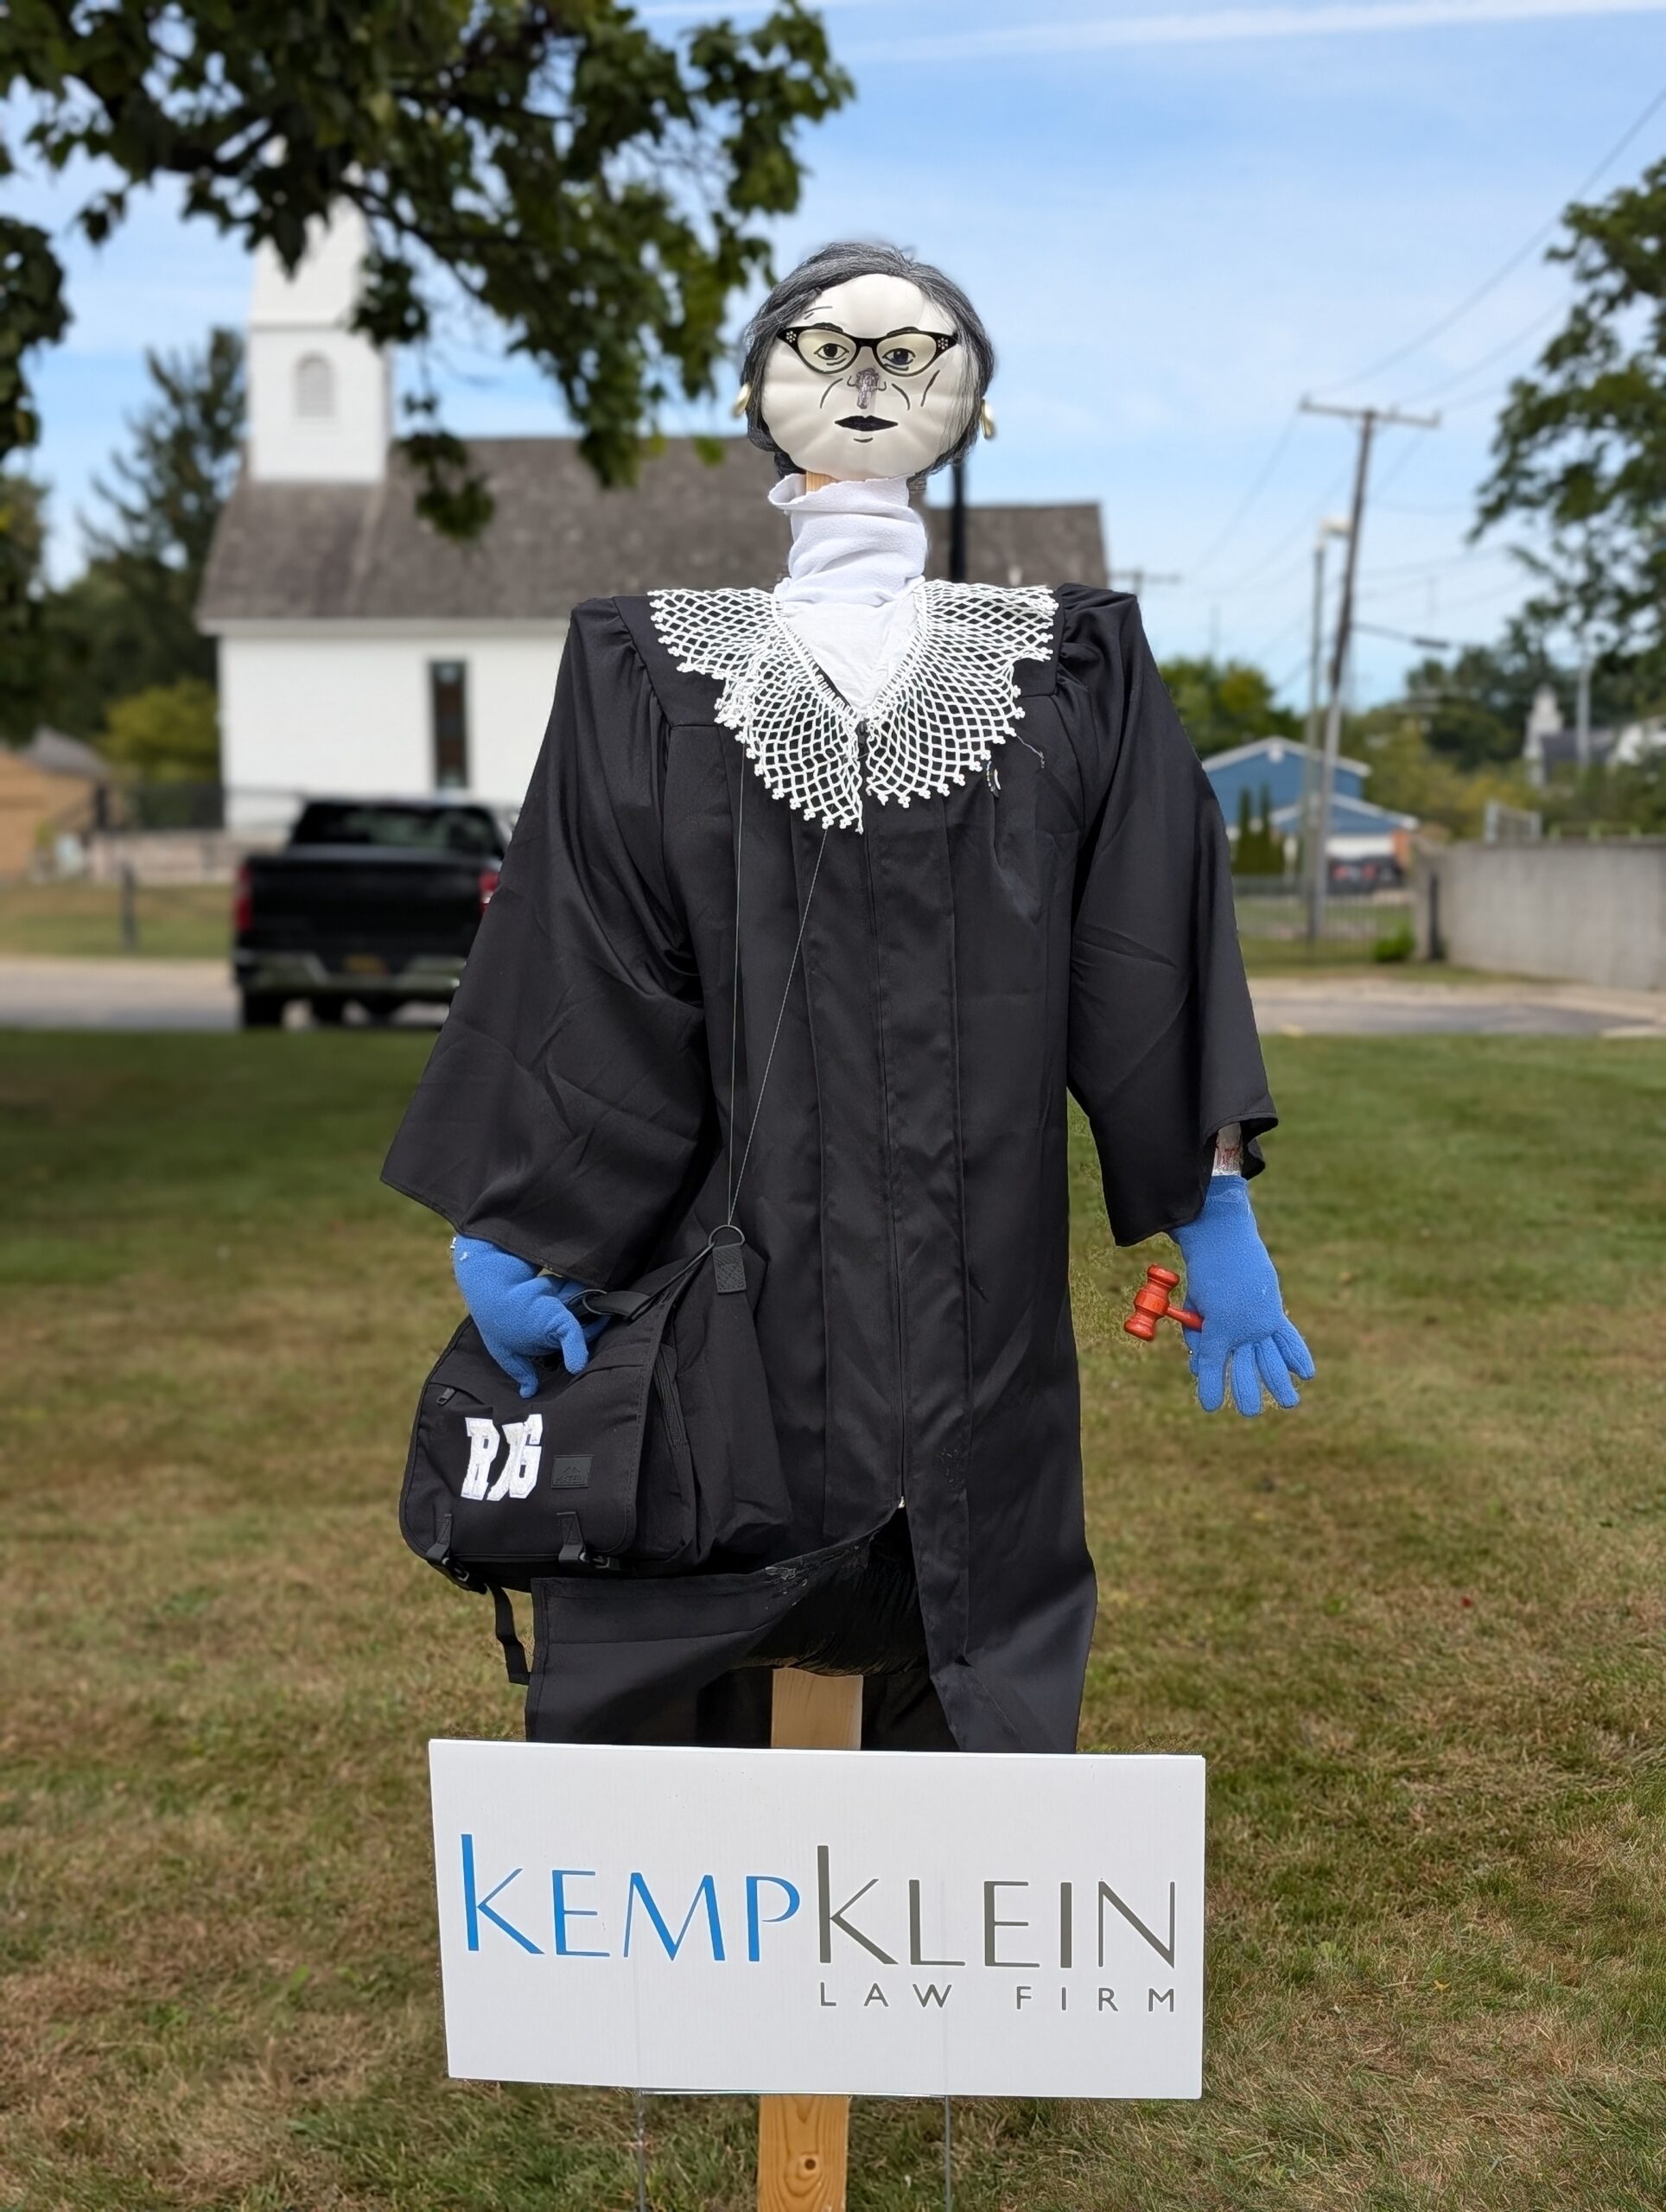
[(1506, 268), (1263, 478), (1398, 470), (1290, 676), (1254, 577), (1304, 522), (1263, 652), (1280, 578), (1461, 375)]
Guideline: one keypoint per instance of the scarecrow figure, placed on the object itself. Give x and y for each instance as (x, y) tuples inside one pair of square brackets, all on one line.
[(822, 901)]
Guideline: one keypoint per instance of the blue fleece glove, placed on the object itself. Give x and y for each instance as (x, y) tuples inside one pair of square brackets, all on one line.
[(1231, 1282), (519, 1312)]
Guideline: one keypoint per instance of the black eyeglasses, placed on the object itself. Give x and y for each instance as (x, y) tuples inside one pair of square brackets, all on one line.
[(824, 346)]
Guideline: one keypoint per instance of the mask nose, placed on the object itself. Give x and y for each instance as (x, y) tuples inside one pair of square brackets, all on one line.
[(867, 382)]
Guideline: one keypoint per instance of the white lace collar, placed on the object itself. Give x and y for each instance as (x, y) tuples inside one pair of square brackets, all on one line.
[(935, 722)]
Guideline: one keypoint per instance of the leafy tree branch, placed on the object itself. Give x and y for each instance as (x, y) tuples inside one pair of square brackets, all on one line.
[(593, 189), (1580, 450)]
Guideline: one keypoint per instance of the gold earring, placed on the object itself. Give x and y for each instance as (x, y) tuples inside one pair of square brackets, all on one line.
[(742, 401), (986, 417)]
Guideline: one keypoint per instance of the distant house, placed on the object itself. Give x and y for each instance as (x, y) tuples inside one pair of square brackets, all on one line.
[(1550, 745), (1270, 770), (360, 652), (1360, 831), (49, 788)]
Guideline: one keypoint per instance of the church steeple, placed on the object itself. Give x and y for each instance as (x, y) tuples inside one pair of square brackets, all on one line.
[(320, 396)]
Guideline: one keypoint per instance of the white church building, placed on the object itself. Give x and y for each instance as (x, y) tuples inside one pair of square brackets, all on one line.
[(361, 654)]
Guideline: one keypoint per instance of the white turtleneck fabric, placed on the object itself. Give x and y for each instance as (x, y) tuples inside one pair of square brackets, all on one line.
[(858, 551)]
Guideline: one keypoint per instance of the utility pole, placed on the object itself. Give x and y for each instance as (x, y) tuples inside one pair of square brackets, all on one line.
[(1308, 816), (1582, 710), (958, 521), (1135, 580), (1367, 419)]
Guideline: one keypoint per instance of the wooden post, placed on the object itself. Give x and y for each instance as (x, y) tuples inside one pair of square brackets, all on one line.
[(802, 2141)]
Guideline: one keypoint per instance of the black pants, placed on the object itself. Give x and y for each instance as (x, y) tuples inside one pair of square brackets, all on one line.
[(862, 1618)]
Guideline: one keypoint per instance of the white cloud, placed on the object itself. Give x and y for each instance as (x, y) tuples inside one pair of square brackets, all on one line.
[(1219, 26)]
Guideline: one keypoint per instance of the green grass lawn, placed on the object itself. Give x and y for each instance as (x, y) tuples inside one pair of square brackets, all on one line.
[(1418, 1627), (188, 921), (1276, 955)]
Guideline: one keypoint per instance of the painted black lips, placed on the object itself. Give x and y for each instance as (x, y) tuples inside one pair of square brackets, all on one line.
[(865, 422)]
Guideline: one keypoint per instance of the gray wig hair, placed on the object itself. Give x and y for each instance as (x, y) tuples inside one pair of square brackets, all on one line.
[(837, 264)]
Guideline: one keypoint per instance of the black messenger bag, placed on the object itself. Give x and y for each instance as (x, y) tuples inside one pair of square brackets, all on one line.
[(660, 1456)]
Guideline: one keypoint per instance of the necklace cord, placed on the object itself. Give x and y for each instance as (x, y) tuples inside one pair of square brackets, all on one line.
[(734, 990), (736, 1180)]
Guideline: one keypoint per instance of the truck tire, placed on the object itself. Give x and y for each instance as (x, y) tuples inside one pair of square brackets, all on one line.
[(261, 1010)]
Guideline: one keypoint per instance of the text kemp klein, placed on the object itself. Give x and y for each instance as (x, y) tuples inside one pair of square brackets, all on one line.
[(578, 1913)]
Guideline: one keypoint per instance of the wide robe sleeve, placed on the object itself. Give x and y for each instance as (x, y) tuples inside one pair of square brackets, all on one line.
[(566, 1110), (1163, 1051)]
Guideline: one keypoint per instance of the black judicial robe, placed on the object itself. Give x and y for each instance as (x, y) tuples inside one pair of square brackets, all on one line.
[(1064, 926)]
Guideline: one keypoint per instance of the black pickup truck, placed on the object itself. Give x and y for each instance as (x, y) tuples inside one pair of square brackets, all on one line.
[(372, 902)]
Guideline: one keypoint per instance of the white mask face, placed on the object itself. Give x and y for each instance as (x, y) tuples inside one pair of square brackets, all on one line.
[(866, 388)]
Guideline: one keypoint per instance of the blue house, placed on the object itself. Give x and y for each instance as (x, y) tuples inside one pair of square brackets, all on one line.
[(1272, 766)]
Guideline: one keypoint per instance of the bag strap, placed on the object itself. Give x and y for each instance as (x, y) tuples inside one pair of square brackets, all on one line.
[(503, 1627), (736, 1178)]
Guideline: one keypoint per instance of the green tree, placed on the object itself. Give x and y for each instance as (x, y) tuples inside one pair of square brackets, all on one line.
[(167, 497), (1223, 703), (1580, 451), (593, 189), (23, 651), (126, 624), (1258, 850), (169, 733), (1411, 776), (32, 315), (1474, 706)]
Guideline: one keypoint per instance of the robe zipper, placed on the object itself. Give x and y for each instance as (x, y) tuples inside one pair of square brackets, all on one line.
[(861, 736)]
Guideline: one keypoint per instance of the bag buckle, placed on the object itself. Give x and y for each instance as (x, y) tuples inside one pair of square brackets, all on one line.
[(439, 1554), (729, 1264), (575, 1552)]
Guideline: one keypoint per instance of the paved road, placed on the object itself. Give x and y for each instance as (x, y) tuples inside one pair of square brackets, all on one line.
[(137, 994), (1376, 1005), (161, 994)]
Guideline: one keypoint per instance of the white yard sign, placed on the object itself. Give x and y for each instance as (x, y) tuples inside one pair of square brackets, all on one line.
[(886, 1924)]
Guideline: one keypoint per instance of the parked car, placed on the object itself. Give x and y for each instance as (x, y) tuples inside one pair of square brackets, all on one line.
[(1378, 872), (372, 902)]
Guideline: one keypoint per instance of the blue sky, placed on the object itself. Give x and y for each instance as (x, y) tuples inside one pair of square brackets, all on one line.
[(1175, 219)]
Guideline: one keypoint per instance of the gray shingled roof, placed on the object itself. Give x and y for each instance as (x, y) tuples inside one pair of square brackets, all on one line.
[(359, 551), (62, 756)]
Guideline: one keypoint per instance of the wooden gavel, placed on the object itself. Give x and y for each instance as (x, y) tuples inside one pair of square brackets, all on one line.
[(1153, 1303)]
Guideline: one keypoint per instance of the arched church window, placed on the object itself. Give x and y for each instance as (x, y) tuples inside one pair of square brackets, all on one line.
[(314, 387)]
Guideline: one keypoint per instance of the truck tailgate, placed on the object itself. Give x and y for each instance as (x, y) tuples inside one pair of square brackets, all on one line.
[(343, 903)]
